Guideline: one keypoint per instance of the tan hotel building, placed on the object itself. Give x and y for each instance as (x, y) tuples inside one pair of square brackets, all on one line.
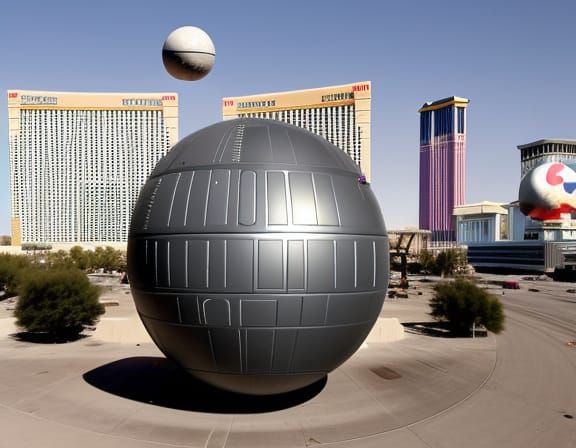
[(340, 114), (78, 161)]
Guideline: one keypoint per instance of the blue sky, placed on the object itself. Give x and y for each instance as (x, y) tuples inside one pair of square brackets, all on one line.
[(514, 60)]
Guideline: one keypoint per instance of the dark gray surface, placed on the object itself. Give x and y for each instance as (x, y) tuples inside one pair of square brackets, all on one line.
[(257, 259)]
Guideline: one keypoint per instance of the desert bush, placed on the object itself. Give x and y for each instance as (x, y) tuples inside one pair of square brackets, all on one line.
[(414, 268), (11, 267), (449, 262), (461, 303), (108, 258), (80, 258), (427, 261), (59, 302), (60, 260)]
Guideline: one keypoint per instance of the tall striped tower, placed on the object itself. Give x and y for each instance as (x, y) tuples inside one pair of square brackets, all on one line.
[(442, 165)]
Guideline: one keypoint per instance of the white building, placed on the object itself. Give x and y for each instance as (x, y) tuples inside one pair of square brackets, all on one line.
[(546, 150), (483, 222), (340, 114), (78, 161)]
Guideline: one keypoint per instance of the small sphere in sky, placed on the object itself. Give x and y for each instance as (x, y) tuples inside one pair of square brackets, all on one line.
[(188, 53)]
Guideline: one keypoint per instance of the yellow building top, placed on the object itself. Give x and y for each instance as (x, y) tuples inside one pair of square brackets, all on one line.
[(481, 208), (450, 101)]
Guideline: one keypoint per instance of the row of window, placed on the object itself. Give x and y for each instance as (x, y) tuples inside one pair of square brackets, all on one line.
[(335, 124), (536, 151), (441, 121), (528, 164), (76, 174)]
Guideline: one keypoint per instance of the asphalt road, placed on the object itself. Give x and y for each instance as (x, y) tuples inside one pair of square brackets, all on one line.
[(530, 398)]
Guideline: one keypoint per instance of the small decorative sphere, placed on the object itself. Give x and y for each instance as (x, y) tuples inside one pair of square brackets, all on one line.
[(257, 256), (188, 53)]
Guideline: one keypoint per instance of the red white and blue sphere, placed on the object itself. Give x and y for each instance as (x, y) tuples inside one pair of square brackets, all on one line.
[(548, 191)]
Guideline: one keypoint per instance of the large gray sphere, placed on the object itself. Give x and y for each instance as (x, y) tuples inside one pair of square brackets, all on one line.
[(258, 260)]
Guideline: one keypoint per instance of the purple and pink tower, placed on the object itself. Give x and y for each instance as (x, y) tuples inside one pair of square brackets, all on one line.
[(442, 165)]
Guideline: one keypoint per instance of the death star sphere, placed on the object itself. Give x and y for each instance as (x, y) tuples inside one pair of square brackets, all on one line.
[(188, 53), (258, 256)]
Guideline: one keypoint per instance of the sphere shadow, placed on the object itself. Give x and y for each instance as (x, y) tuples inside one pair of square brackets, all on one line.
[(437, 330), (433, 329), (45, 338), (160, 382)]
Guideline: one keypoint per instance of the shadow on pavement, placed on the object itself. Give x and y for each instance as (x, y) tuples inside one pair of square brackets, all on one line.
[(45, 338), (435, 329), (439, 330), (160, 382)]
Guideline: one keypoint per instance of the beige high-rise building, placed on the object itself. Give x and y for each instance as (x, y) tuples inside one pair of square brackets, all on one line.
[(78, 161), (340, 114)]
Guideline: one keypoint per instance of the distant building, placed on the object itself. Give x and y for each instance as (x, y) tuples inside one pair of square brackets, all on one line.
[(487, 222), (513, 256), (517, 222), (442, 165), (483, 222), (500, 237), (340, 114), (78, 161), (546, 150)]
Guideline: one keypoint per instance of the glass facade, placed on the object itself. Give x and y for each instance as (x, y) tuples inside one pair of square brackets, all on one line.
[(425, 128), (481, 229), (507, 255), (460, 114), (444, 121)]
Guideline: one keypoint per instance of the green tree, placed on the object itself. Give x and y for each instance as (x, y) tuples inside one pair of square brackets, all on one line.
[(111, 259), (59, 259), (59, 302), (427, 261), (450, 261), (11, 268), (106, 258), (461, 304), (96, 258), (80, 258)]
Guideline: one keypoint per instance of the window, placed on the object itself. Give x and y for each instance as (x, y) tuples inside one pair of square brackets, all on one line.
[(443, 121), (425, 127), (460, 112)]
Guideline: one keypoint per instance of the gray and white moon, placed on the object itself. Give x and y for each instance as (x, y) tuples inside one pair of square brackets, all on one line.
[(188, 53)]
